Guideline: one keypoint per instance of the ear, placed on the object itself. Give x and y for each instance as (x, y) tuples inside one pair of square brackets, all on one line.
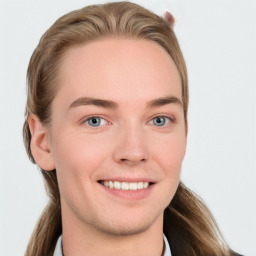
[(40, 143), (169, 18)]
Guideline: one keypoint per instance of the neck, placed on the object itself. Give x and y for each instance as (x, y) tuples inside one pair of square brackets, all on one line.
[(80, 240)]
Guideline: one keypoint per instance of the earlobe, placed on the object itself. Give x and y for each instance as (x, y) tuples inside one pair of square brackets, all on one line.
[(40, 143)]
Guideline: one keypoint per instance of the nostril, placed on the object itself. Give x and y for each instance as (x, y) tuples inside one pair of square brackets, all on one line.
[(132, 161), (130, 156)]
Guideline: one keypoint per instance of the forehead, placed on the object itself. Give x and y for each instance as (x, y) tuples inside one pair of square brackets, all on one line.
[(117, 68)]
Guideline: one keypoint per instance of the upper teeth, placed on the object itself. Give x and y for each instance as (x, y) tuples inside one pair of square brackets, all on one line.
[(125, 185)]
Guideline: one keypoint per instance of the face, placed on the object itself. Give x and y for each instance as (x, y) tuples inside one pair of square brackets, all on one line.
[(117, 136)]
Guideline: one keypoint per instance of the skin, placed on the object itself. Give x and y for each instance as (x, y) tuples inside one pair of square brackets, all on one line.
[(128, 145)]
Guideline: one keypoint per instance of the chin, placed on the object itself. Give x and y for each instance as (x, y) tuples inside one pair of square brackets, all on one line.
[(125, 227), (122, 230)]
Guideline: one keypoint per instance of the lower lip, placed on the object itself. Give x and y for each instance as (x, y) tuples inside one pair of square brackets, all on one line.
[(138, 194)]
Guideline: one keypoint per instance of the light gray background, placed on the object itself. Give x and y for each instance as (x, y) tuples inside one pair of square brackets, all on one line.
[(218, 41)]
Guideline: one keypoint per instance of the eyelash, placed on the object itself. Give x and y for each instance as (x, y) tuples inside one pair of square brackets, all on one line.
[(167, 120)]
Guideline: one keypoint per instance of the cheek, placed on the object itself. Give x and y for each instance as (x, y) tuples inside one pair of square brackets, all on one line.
[(77, 160), (78, 155), (169, 156), (170, 153)]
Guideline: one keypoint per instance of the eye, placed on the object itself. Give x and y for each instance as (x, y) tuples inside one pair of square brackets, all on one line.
[(160, 121), (95, 121)]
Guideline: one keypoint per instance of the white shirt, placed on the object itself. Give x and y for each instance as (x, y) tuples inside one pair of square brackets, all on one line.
[(58, 248)]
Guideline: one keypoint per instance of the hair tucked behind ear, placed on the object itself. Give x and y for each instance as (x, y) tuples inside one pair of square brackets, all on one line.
[(188, 224)]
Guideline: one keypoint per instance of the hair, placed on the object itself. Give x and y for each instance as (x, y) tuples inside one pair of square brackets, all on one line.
[(188, 224)]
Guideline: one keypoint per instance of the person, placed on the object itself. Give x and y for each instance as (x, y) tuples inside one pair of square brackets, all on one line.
[(106, 122)]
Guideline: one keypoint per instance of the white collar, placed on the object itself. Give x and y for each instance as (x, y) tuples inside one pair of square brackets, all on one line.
[(58, 248), (167, 251)]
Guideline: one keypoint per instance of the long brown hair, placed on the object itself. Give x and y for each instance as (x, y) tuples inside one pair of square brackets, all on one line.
[(188, 224)]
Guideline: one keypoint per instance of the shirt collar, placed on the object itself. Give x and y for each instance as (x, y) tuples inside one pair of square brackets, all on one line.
[(58, 248), (167, 251)]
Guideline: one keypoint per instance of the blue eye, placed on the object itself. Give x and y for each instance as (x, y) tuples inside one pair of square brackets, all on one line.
[(95, 121), (160, 121)]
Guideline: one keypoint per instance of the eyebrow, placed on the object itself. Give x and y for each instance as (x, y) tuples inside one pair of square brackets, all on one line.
[(164, 101), (83, 101)]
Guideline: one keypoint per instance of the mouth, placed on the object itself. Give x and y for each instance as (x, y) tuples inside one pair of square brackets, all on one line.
[(118, 185)]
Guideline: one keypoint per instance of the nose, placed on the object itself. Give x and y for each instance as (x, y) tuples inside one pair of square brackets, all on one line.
[(131, 148)]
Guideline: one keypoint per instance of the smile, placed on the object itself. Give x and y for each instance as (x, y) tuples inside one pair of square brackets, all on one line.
[(125, 185)]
